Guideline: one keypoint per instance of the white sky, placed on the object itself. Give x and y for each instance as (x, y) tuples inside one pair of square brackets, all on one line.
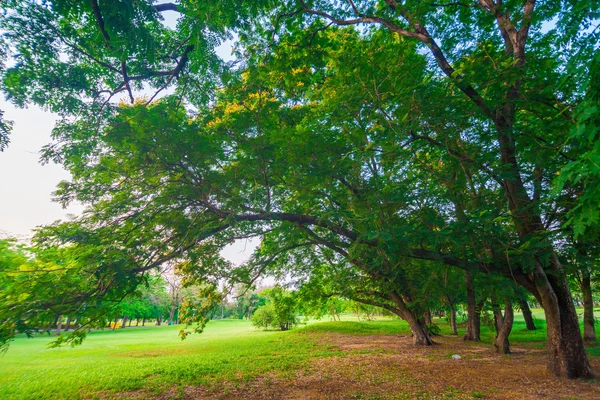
[(26, 186)]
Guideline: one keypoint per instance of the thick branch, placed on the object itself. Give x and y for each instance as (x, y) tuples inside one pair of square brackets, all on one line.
[(166, 7), (126, 81), (100, 21)]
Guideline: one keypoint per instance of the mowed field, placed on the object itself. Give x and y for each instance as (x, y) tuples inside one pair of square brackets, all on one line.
[(322, 360)]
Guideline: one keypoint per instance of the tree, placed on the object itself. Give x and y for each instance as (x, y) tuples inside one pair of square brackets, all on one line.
[(279, 312), (583, 171), (148, 302), (247, 302), (4, 125), (428, 137), (41, 284)]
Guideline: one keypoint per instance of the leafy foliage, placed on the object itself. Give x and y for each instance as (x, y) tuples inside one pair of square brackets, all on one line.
[(368, 144), (279, 312)]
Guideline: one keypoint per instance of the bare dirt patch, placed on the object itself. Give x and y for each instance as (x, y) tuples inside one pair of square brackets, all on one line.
[(390, 367)]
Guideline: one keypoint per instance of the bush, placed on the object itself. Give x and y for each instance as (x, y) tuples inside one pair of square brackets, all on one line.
[(278, 313)]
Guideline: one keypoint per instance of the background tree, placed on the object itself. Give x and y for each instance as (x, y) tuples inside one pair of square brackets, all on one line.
[(279, 312)]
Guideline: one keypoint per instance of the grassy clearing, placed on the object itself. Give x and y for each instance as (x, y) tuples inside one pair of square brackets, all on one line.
[(155, 360), (149, 358)]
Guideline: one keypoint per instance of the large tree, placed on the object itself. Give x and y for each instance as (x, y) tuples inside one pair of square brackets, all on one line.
[(430, 131)]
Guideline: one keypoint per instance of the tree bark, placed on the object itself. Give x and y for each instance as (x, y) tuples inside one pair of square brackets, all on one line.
[(453, 319), (589, 331), (417, 326), (427, 317), (124, 322), (59, 325), (527, 316), (68, 326), (567, 356), (473, 313), (452, 315), (503, 325), (143, 321)]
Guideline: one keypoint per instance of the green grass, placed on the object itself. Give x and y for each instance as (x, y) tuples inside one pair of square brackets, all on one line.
[(382, 326), (150, 358), (155, 359)]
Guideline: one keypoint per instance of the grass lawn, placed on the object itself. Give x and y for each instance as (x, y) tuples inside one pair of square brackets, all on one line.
[(231, 355)]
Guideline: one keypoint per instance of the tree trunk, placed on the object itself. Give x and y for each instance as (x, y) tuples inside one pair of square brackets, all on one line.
[(567, 354), (474, 313), (68, 324), (427, 317), (589, 331), (158, 321), (59, 325), (453, 319), (171, 315), (527, 316), (503, 326), (418, 327), (115, 324), (124, 322), (143, 321)]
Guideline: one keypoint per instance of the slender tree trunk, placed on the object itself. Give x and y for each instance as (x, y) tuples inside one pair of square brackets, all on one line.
[(453, 318), (68, 326), (171, 315), (115, 324), (158, 321), (124, 322), (130, 320), (143, 321), (59, 325), (527, 316), (589, 331), (474, 313), (503, 324)]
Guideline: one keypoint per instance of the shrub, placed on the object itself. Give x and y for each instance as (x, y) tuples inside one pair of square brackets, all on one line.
[(278, 313)]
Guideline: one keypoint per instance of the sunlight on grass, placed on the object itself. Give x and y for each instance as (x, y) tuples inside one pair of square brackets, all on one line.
[(154, 358)]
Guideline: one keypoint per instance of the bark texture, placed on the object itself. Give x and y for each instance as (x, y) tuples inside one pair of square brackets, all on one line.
[(589, 330), (503, 324), (474, 313), (453, 319), (567, 355)]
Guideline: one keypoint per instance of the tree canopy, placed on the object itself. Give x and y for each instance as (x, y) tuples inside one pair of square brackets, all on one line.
[(368, 144)]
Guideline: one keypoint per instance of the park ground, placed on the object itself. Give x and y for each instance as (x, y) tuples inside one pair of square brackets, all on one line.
[(322, 360)]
